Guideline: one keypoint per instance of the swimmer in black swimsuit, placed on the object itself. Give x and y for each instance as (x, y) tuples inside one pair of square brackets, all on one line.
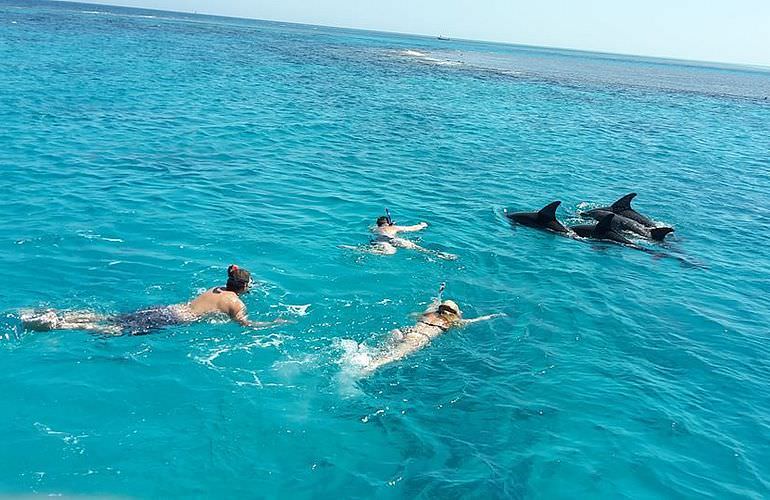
[(219, 300), (139, 322), (440, 317), (386, 241)]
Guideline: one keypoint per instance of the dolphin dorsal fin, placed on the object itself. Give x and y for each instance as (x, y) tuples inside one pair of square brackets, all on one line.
[(604, 225), (548, 212), (624, 203)]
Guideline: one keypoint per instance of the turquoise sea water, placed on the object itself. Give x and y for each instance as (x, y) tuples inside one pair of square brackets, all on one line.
[(142, 152)]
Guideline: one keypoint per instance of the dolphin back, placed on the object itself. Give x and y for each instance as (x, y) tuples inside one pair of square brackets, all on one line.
[(548, 212), (623, 204), (604, 226), (545, 218), (597, 213)]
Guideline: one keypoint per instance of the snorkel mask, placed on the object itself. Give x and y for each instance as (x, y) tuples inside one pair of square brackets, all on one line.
[(449, 306), (390, 219), (239, 279)]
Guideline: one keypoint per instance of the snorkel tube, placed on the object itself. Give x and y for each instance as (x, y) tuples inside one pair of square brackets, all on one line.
[(387, 214), (441, 290)]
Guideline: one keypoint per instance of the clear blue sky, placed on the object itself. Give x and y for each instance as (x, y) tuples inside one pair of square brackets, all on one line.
[(735, 31)]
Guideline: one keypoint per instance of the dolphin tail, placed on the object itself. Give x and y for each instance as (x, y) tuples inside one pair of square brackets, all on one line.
[(624, 203), (604, 225), (659, 233), (548, 212)]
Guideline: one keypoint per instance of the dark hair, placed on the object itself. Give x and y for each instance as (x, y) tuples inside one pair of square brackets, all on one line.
[(237, 279), (382, 221), (442, 309), (445, 308)]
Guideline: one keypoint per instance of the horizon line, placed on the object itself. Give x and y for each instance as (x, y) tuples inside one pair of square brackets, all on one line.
[(741, 65)]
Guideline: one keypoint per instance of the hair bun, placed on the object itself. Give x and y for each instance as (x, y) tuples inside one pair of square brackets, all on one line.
[(232, 269)]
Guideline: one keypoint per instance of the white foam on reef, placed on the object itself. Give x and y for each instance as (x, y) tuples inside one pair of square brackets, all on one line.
[(104, 13), (368, 418), (584, 205), (426, 58), (11, 327), (90, 235), (297, 310), (441, 62), (261, 342), (254, 382), (413, 53), (71, 440)]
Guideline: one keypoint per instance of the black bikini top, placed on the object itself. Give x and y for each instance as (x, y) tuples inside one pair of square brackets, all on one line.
[(440, 327)]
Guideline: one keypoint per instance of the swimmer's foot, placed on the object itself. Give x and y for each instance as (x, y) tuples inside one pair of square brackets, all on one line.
[(45, 321), (382, 248), (40, 321)]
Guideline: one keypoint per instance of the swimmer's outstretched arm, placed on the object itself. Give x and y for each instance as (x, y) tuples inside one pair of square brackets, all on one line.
[(240, 317), (411, 229), (267, 324), (483, 318), (261, 324)]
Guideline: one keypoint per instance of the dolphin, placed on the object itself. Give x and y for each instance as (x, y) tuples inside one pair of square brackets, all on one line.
[(623, 223), (604, 230), (623, 207), (545, 218)]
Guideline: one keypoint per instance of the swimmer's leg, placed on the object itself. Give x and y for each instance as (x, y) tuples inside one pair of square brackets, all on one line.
[(68, 320), (39, 321), (445, 255), (382, 248), (396, 335), (402, 243), (89, 322)]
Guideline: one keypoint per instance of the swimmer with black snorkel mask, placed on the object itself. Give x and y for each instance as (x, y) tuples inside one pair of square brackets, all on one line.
[(386, 240), (440, 317)]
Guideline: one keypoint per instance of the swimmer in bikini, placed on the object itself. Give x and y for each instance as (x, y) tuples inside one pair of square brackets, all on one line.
[(219, 300), (439, 318), (386, 240)]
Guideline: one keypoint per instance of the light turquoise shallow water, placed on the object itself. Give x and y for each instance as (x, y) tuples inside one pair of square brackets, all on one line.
[(143, 152)]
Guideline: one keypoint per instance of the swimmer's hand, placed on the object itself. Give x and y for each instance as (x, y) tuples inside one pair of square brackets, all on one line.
[(268, 324), (483, 318), (416, 227)]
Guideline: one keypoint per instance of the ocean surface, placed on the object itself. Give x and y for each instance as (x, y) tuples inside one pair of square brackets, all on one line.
[(143, 152)]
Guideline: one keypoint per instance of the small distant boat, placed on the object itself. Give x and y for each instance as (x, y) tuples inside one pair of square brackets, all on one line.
[(442, 37)]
